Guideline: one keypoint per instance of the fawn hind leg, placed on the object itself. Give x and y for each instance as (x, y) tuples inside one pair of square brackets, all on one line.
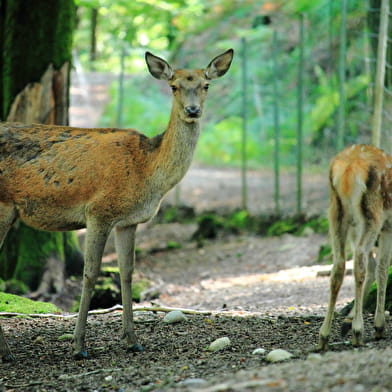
[(362, 251), (338, 233), (7, 218)]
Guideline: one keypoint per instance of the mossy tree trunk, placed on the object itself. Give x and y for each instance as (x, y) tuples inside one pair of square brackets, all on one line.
[(35, 50)]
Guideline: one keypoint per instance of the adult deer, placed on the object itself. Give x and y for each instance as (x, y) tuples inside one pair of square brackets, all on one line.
[(62, 178), (360, 211)]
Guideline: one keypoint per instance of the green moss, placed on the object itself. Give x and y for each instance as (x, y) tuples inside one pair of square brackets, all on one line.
[(138, 287), (15, 304), (14, 286), (325, 254)]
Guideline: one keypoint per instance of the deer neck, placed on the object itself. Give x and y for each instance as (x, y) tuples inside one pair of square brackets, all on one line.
[(176, 150)]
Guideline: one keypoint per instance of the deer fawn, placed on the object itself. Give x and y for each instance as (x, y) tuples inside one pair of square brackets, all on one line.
[(63, 178), (360, 211)]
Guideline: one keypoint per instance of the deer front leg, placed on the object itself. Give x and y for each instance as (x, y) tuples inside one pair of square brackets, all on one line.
[(125, 247), (384, 261), (95, 243)]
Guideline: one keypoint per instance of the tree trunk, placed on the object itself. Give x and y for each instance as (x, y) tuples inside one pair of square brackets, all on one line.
[(374, 24), (93, 37), (35, 46)]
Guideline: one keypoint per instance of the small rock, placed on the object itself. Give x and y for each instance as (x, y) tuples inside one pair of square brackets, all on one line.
[(219, 344), (39, 340), (308, 231), (278, 355), (108, 378), (314, 357), (193, 382), (66, 336), (258, 351), (174, 316)]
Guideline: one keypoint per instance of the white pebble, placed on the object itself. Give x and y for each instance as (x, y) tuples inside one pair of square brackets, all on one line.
[(314, 357), (108, 378), (193, 382), (258, 351), (219, 344), (174, 316), (278, 355)]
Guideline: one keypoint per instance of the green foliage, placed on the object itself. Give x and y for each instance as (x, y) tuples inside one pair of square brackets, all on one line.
[(15, 304), (211, 225), (371, 299), (22, 260), (325, 254), (289, 225), (138, 287), (180, 213), (173, 245), (149, 110)]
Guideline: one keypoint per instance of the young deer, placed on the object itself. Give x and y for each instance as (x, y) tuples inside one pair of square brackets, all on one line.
[(360, 211), (61, 178)]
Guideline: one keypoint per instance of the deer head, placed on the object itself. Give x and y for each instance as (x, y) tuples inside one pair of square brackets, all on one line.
[(189, 87)]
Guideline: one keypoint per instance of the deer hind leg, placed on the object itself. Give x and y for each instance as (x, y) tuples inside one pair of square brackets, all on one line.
[(7, 218), (370, 278), (384, 261), (95, 243), (361, 254), (338, 232), (125, 247)]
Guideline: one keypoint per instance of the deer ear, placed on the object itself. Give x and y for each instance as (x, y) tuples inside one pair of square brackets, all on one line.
[(219, 65), (158, 67)]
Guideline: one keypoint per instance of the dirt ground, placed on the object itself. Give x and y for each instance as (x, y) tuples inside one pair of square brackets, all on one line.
[(260, 292)]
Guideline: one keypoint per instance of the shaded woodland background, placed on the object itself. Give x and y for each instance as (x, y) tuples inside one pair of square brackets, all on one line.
[(302, 87)]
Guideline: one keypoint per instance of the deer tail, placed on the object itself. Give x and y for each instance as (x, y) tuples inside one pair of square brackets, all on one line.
[(349, 180)]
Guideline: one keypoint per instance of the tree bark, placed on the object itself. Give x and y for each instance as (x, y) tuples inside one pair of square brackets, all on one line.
[(35, 50)]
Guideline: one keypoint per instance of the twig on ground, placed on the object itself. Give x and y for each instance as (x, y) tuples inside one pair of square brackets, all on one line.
[(80, 375), (104, 311)]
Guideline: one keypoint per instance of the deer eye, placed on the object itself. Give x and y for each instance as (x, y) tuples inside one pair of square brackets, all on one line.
[(174, 88), (206, 86)]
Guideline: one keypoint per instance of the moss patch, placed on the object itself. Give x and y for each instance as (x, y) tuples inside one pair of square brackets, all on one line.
[(16, 304)]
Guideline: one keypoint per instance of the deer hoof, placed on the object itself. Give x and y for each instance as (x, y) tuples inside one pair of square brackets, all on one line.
[(323, 344), (80, 354), (357, 339), (379, 333), (136, 348)]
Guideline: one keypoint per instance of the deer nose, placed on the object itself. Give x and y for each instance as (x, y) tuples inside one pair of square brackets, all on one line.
[(193, 111)]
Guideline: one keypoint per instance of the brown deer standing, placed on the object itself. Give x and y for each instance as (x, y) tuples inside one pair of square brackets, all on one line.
[(360, 211), (61, 178)]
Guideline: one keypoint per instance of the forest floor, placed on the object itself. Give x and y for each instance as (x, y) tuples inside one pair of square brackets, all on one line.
[(261, 292)]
